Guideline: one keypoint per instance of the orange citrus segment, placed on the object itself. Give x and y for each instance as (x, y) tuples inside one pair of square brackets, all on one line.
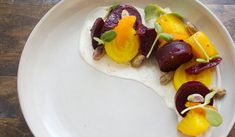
[(181, 77), (126, 44)]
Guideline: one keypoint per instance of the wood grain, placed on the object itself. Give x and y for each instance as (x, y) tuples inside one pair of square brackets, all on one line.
[(17, 20)]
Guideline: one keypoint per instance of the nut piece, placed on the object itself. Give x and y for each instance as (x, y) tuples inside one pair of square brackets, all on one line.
[(191, 28), (220, 93), (125, 13), (196, 98), (137, 61), (98, 53), (166, 77)]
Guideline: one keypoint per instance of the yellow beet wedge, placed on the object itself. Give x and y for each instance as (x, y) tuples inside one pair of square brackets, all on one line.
[(174, 26), (126, 44), (202, 46), (193, 124), (181, 77)]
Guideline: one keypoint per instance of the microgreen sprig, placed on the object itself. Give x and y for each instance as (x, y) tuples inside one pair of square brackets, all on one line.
[(201, 60), (208, 97), (212, 116), (153, 11), (160, 34), (107, 36), (216, 56)]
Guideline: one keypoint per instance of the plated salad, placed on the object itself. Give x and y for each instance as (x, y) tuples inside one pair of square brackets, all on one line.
[(184, 54)]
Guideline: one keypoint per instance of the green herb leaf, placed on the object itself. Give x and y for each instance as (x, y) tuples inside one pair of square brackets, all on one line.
[(150, 12), (167, 37), (100, 42), (213, 57), (201, 60), (110, 8), (108, 36), (213, 117), (209, 96), (153, 11), (158, 28), (177, 15)]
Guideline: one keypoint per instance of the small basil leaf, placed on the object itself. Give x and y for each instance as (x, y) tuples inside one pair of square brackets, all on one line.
[(167, 37), (177, 15), (150, 12), (213, 117), (201, 60), (158, 28), (153, 11), (100, 42), (108, 36), (209, 97)]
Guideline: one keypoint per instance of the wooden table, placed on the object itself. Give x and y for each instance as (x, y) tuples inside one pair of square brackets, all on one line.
[(17, 20)]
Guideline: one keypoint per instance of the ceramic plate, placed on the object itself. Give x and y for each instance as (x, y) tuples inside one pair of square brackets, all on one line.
[(62, 96)]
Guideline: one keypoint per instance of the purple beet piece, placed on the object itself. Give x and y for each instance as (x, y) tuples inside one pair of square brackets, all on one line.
[(173, 54), (116, 14), (197, 68), (147, 37), (96, 31), (141, 29), (189, 88)]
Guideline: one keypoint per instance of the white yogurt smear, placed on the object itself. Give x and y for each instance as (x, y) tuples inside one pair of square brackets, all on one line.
[(148, 74)]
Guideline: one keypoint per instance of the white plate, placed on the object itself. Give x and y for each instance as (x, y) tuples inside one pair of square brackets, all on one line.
[(62, 96)]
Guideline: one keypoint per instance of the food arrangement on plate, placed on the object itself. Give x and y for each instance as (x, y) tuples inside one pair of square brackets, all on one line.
[(184, 55)]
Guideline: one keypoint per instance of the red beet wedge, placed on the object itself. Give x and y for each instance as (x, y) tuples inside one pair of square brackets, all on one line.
[(197, 68), (96, 31), (173, 54), (116, 14)]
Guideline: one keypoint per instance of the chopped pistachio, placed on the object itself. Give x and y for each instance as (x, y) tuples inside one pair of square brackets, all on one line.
[(98, 53)]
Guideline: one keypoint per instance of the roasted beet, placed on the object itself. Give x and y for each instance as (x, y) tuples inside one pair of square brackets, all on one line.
[(96, 31), (116, 14), (173, 54), (147, 38), (197, 68), (189, 88)]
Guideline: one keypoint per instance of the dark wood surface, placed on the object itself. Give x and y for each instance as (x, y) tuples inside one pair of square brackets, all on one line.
[(17, 20)]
